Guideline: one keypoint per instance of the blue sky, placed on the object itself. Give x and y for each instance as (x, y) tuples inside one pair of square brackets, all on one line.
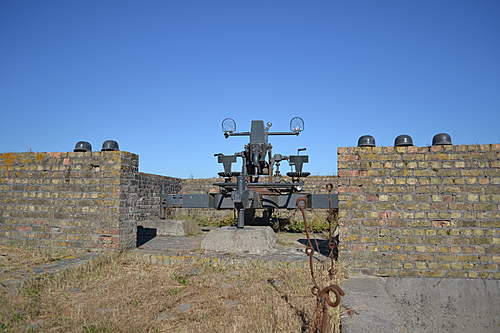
[(160, 76)]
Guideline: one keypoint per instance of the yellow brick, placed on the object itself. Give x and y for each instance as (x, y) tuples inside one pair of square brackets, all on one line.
[(408, 265), (396, 264), (350, 238), (456, 265), (468, 265), (420, 248), (419, 232), (457, 274), (472, 197), (434, 273), (444, 266), (420, 265), (430, 232), (424, 181), (430, 249), (433, 265), (478, 232), (411, 181), (479, 250), (408, 197), (400, 181), (436, 197), (471, 180), (383, 197)]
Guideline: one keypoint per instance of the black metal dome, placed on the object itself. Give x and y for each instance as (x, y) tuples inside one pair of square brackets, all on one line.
[(366, 141), (403, 141), (110, 145), (441, 139), (82, 146)]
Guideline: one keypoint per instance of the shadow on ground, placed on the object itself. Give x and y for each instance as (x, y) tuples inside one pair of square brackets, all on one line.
[(144, 235), (319, 245)]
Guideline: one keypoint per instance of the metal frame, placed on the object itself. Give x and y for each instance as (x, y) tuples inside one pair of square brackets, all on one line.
[(246, 190)]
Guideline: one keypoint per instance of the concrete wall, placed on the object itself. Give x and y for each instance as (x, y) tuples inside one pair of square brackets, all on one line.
[(421, 211), (83, 200)]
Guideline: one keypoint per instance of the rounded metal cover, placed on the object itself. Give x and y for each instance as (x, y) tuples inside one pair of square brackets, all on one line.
[(366, 141), (403, 141), (228, 125), (441, 139), (296, 124), (110, 145), (82, 146)]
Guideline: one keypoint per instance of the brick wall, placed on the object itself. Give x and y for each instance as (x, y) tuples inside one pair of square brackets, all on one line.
[(149, 190), (421, 211), (84, 200)]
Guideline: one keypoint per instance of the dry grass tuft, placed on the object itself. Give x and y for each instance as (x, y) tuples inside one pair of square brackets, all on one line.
[(125, 294), (15, 257)]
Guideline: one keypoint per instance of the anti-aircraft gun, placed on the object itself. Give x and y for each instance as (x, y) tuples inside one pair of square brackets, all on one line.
[(259, 184)]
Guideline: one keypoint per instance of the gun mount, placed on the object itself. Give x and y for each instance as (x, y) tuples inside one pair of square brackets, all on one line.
[(259, 184)]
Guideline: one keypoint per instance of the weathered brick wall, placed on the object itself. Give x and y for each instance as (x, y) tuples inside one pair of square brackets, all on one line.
[(84, 200), (199, 185), (149, 191), (64, 199), (421, 211)]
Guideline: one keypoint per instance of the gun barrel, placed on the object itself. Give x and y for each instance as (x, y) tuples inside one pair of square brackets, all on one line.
[(283, 133)]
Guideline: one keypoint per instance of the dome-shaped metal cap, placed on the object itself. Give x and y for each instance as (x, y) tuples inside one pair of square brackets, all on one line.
[(403, 141), (441, 139), (366, 141), (110, 145), (82, 146)]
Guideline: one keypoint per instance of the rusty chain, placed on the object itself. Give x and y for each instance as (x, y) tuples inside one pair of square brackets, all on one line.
[(332, 238), (321, 322)]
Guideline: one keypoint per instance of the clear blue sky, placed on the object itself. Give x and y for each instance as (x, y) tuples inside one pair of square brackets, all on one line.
[(159, 76)]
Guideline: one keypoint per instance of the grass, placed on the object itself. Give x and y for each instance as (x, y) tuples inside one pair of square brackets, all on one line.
[(205, 220), (292, 221), (14, 257), (124, 294), (288, 221)]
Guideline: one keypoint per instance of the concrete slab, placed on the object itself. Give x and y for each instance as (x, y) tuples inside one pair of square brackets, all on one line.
[(421, 305), (169, 227), (251, 240)]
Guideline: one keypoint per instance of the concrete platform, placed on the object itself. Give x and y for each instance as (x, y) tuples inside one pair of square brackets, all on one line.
[(421, 305), (169, 227), (251, 240), (290, 247)]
